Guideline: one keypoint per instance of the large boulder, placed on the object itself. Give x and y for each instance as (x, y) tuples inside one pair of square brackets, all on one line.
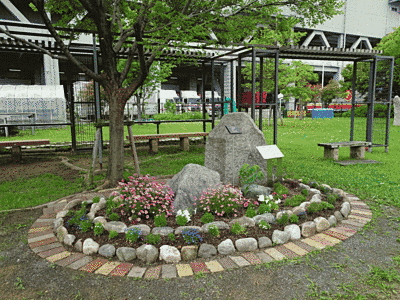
[(190, 183), (233, 143)]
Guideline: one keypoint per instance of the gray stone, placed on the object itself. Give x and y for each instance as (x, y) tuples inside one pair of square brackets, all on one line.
[(316, 198), (115, 225), (107, 250), (94, 208), (268, 217), (338, 191), (190, 183), (294, 231), (91, 216), (308, 229), (298, 210), (61, 233), (305, 204), (345, 210), (332, 220), (190, 252), (72, 204), (61, 214), (57, 223), (303, 186), (219, 224), (321, 224), (147, 253), (246, 244), (102, 203), (338, 216), (396, 106), (162, 230), (226, 247), (78, 245), (169, 254), (207, 250), (264, 242), (279, 214), (314, 191), (326, 187), (243, 221), (179, 229), (280, 237), (254, 190), (142, 227), (69, 239), (90, 247), (100, 219), (126, 253), (226, 153)]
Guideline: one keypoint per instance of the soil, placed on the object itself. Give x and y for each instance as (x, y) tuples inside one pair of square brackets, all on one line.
[(340, 269)]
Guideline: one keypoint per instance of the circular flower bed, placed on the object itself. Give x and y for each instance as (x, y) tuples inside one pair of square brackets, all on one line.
[(139, 217)]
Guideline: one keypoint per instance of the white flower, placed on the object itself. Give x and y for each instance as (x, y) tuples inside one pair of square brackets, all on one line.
[(271, 197), (278, 201), (184, 213), (261, 198)]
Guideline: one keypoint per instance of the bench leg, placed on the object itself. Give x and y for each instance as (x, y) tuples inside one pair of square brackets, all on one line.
[(153, 144), (16, 153), (331, 153), (357, 152), (184, 143)]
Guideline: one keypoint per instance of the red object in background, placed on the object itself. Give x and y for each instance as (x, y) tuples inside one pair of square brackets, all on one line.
[(247, 98), (311, 106), (349, 95)]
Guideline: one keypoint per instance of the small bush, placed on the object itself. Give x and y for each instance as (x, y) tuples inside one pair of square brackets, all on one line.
[(98, 229), (181, 220), (113, 217), (160, 220), (153, 239), (332, 198), (96, 199), (171, 236), (283, 220), (304, 192), (268, 207), (132, 235), (85, 225), (238, 229), (213, 230), (280, 189), (296, 200), (293, 219), (251, 212), (318, 206), (264, 225), (112, 234), (207, 218), (192, 236)]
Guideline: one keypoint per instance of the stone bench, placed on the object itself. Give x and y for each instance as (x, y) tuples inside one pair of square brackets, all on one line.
[(357, 149), (16, 146), (155, 138)]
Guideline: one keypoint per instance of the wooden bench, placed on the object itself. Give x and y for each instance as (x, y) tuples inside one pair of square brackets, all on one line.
[(16, 146), (357, 149), (155, 138)]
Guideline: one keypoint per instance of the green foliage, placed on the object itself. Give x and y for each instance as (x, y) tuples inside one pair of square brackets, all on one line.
[(85, 225), (251, 212), (280, 189), (213, 230), (170, 107), (96, 199), (293, 219), (192, 236), (98, 229), (207, 218), (195, 115), (249, 175), (181, 220), (304, 192), (160, 220), (380, 111), (132, 235), (267, 207), (171, 236), (153, 239), (318, 206), (264, 225), (112, 234), (296, 200), (283, 220), (113, 217), (236, 228), (332, 198)]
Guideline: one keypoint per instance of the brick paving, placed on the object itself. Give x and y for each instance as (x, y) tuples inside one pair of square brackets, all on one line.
[(44, 243)]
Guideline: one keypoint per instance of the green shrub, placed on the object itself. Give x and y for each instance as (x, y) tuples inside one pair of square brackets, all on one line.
[(267, 207), (112, 234), (280, 189), (293, 219), (98, 229), (85, 225), (249, 175), (264, 225), (332, 198), (251, 212), (181, 220), (133, 234), (96, 199), (160, 220), (283, 220), (213, 230), (153, 239), (318, 206), (304, 192), (207, 218), (296, 200), (238, 229), (113, 217), (171, 236)]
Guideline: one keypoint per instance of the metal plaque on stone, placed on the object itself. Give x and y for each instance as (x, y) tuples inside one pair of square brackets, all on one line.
[(233, 129)]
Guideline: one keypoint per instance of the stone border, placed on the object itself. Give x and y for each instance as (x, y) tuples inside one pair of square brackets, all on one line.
[(43, 242)]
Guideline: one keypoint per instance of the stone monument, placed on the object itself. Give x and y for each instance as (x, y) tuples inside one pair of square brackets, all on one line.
[(396, 104), (232, 143)]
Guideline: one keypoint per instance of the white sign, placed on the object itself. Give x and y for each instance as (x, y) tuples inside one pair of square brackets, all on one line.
[(270, 151)]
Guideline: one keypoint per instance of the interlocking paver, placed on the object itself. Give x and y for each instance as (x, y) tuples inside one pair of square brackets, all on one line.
[(47, 247), (214, 266), (58, 256), (107, 268), (305, 246), (41, 233), (70, 259), (353, 222), (227, 263), (136, 272), (252, 258), (199, 267), (41, 238), (362, 211), (80, 262), (314, 243), (122, 269), (51, 252), (184, 270), (275, 254), (240, 261), (168, 271), (336, 234), (286, 251), (265, 258), (296, 249), (94, 265)]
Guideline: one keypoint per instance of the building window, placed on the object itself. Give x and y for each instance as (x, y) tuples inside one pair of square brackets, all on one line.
[(394, 9)]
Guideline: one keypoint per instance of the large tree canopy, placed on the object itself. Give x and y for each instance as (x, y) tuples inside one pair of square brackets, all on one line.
[(144, 29)]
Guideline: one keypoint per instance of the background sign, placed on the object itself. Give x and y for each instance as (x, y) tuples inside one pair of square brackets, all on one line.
[(270, 151)]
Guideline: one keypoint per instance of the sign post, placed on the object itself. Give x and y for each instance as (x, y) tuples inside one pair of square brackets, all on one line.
[(268, 153)]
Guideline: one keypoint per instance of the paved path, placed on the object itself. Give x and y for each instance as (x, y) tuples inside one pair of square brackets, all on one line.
[(43, 242)]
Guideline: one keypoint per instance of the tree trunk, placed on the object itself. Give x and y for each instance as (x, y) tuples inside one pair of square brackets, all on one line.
[(115, 169)]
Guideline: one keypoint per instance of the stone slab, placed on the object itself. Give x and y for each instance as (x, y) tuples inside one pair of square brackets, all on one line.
[(275, 254), (240, 261), (227, 263), (39, 229), (295, 248), (107, 268), (264, 257), (152, 272), (58, 256), (199, 267), (184, 270), (314, 243), (168, 271), (136, 272), (51, 252), (80, 263), (47, 247), (214, 266), (251, 258), (70, 259), (336, 234), (38, 234), (122, 269), (286, 251), (303, 245), (94, 265), (321, 240), (41, 238)]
